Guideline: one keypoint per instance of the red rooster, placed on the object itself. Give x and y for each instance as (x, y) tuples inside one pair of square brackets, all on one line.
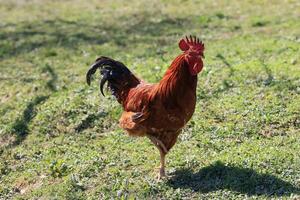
[(158, 111)]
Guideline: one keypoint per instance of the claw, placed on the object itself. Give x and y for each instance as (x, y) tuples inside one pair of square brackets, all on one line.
[(161, 174)]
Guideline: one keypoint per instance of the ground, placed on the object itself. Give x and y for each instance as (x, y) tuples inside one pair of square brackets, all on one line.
[(59, 139)]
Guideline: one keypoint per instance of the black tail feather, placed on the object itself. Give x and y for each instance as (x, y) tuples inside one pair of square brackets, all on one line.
[(115, 73)]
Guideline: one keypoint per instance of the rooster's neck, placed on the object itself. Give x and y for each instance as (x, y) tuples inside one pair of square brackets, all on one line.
[(176, 83)]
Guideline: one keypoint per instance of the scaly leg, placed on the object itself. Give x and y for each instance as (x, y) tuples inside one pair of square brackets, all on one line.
[(158, 143), (162, 172), (163, 151)]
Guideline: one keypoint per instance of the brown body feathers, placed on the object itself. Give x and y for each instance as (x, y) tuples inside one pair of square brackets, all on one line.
[(158, 111)]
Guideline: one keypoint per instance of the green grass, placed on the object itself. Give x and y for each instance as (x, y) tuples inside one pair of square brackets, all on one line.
[(59, 139)]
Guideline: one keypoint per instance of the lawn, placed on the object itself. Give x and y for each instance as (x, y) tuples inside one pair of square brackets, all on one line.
[(59, 139)]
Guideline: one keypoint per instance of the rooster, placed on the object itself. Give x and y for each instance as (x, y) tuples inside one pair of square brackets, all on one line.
[(158, 111)]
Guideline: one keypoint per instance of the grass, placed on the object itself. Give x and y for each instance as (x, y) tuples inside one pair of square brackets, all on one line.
[(59, 138)]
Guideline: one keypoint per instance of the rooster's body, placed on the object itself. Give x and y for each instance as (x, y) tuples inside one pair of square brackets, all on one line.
[(158, 111)]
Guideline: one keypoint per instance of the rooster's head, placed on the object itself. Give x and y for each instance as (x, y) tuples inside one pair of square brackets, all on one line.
[(193, 53)]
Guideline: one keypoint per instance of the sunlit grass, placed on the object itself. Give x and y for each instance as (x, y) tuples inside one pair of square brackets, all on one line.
[(60, 139)]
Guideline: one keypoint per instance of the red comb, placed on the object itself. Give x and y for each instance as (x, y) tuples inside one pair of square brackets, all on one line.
[(191, 43)]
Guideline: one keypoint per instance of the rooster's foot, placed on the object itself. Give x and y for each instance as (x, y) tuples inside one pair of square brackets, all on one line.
[(161, 174)]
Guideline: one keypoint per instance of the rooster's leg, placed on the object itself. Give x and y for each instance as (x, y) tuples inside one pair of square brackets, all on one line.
[(163, 151), (162, 172)]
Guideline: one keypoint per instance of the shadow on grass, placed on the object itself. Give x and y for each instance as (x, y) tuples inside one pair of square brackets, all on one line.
[(226, 84), (27, 37), (224, 60), (51, 83), (242, 180), (20, 127), (89, 120), (268, 71)]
